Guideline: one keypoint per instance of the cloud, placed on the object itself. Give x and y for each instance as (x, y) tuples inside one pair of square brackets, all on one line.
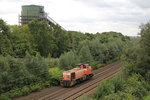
[(86, 15), (141, 3)]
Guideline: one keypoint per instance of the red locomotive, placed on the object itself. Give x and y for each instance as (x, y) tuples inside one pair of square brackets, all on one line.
[(76, 75)]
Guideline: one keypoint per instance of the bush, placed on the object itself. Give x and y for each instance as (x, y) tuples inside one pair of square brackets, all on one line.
[(56, 74), (35, 87), (4, 97), (135, 86), (25, 90), (15, 93), (147, 76), (46, 84), (105, 88), (37, 68), (96, 64), (118, 83), (119, 96), (147, 97)]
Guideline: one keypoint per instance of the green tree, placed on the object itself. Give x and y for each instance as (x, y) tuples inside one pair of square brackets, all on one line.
[(5, 44), (144, 53), (4, 73), (62, 40), (42, 37), (68, 60), (20, 39), (37, 67), (85, 55), (96, 50)]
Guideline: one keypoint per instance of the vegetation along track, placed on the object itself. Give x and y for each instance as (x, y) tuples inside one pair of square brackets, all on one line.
[(86, 87)]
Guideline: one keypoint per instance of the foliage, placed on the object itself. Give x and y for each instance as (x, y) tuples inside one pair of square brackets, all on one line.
[(68, 60), (43, 40), (37, 67), (21, 72), (96, 64), (96, 49), (25, 90), (85, 55), (120, 89), (35, 87), (56, 74), (144, 53), (104, 89), (4, 97), (147, 97), (135, 86), (52, 62), (20, 40), (5, 43)]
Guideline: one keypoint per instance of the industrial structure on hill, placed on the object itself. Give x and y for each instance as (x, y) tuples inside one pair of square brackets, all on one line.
[(30, 12)]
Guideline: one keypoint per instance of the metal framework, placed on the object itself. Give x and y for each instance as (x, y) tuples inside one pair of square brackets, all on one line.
[(30, 12)]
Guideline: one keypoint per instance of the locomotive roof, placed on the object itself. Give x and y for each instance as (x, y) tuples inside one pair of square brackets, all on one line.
[(72, 70)]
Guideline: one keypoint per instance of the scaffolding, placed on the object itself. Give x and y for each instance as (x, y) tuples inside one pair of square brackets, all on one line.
[(30, 12)]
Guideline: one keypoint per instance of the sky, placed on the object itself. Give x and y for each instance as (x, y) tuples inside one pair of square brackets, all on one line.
[(90, 16)]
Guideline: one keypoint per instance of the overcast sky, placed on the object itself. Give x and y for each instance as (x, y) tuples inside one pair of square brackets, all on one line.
[(91, 16)]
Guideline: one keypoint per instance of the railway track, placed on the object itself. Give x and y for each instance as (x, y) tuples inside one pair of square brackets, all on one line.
[(74, 94), (86, 87)]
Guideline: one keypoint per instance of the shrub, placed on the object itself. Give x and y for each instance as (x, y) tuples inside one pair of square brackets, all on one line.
[(105, 88), (84, 97), (15, 93), (147, 76), (37, 67), (35, 87), (4, 97), (25, 90), (135, 86), (56, 74), (147, 97), (46, 84), (96, 64), (118, 83)]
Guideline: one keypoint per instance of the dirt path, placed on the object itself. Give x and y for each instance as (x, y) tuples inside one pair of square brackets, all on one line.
[(85, 88)]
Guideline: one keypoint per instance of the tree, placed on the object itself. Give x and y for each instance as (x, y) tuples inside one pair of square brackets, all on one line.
[(96, 50), (63, 41), (4, 29), (5, 44), (20, 40), (37, 67), (4, 73), (143, 61), (42, 37), (68, 60), (85, 55)]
